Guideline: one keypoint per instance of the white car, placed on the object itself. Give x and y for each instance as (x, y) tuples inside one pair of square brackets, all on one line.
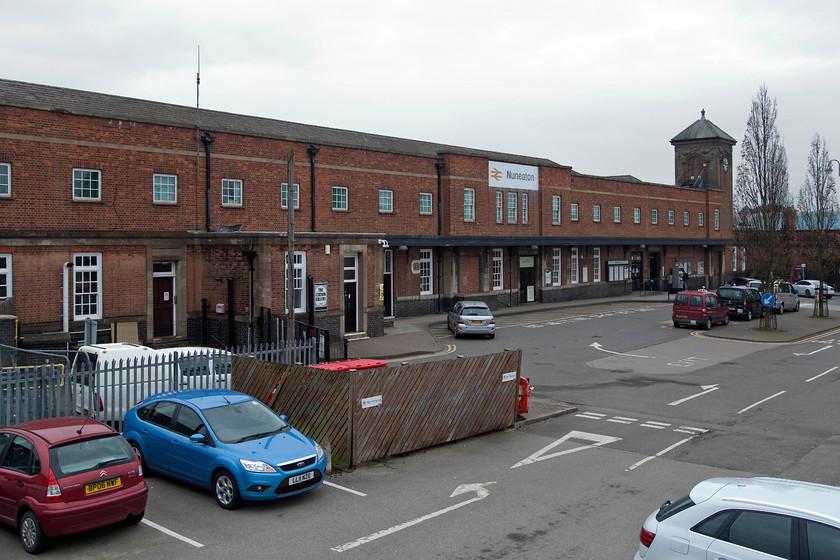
[(808, 288), (747, 519)]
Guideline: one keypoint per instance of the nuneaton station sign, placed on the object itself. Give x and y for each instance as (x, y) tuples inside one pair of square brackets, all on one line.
[(513, 176)]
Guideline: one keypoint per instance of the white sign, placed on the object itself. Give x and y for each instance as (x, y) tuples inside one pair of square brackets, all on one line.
[(320, 295), (509, 376), (372, 401), (513, 176)]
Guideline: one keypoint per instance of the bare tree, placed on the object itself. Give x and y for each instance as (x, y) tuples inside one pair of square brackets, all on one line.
[(818, 215), (762, 196)]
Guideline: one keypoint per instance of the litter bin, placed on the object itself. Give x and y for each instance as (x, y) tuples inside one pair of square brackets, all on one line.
[(524, 395)]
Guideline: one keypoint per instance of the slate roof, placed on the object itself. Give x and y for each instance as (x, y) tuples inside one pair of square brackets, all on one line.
[(702, 129), (91, 104)]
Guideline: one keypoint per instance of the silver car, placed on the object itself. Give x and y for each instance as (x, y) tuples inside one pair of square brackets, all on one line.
[(745, 518), (471, 317), (786, 298)]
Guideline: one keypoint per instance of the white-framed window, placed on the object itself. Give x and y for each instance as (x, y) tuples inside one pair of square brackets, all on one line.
[(717, 219), (5, 276), (670, 217), (500, 207), (511, 208), (557, 266), (743, 259), (637, 215), (573, 265), (469, 205), (734, 259), (299, 271), (5, 179), (164, 189), (525, 208), (617, 214), (555, 209), (654, 216), (596, 213), (339, 198), (284, 196), (425, 272), (498, 276), (386, 201), (596, 264), (700, 219), (86, 184), (231, 192), (574, 212), (686, 218), (425, 203), (87, 286)]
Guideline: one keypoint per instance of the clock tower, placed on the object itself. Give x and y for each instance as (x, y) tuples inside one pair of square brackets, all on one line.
[(703, 156)]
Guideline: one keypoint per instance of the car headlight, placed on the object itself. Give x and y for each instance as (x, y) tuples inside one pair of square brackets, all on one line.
[(256, 466), (318, 449)]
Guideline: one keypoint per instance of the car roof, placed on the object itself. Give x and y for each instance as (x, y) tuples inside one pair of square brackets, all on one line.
[(64, 428), (202, 398), (472, 303), (794, 496)]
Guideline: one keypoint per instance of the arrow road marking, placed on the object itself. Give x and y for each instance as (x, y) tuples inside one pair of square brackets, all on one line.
[(596, 439), (597, 346), (706, 390), (811, 353), (480, 493)]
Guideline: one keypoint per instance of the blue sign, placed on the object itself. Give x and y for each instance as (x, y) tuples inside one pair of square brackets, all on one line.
[(769, 300)]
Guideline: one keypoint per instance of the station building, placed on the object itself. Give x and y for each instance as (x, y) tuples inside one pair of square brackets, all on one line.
[(177, 220)]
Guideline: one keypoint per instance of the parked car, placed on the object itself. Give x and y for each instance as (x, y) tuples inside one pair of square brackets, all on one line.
[(224, 441), (808, 288), (748, 282), (741, 301), (66, 475), (698, 308), (471, 317), (786, 297), (748, 519)]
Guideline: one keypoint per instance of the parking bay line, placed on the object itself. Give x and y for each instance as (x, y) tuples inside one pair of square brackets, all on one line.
[(761, 401), (663, 452), (820, 375), (334, 485), (171, 533)]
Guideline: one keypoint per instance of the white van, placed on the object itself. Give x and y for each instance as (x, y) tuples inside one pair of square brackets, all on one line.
[(123, 374)]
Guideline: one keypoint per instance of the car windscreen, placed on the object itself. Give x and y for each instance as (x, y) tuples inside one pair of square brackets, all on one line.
[(90, 454), (476, 311), (242, 421)]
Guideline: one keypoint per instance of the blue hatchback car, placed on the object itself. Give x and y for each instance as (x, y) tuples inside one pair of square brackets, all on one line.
[(225, 441)]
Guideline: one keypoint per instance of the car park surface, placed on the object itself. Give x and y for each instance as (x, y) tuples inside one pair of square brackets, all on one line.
[(698, 309), (471, 317), (743, 302), (224, 441), (748, 519), (65, 475)]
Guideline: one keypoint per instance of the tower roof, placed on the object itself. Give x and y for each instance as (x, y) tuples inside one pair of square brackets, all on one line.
[(702, 129)]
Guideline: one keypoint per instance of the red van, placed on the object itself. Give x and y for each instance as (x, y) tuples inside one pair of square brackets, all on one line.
[(699, 308)]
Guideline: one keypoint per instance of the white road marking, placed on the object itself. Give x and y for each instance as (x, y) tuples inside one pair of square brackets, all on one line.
[(811, 353), (706, 390), (334, 485), (690, 430), (664, 451), (171, 533), (655, 425), (597, 346), (591, 415), (596, 439), (820, 375), (479, 489), (622, 420), (761, 401)]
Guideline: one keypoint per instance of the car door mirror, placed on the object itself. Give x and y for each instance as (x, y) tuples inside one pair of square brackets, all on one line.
[(198, 438)]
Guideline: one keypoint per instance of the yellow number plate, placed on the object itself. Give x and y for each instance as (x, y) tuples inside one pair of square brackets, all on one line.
[(99, 485)]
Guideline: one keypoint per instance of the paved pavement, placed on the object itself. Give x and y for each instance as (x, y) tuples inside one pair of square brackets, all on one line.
[(411, 336)]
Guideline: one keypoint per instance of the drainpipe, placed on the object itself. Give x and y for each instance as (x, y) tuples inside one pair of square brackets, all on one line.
[(439, 166), (207, 139), (65, 276), (312, 151)]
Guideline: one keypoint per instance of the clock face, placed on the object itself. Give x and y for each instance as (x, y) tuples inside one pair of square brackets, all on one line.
[(725, 164)]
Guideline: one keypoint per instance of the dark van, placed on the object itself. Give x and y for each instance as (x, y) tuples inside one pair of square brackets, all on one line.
[(699, 309), (742, 301)]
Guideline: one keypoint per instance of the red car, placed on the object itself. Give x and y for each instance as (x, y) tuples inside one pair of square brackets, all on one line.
[(65, 475)]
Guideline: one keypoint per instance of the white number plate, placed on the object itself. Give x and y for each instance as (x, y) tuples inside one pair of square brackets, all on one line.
[(301, 477)]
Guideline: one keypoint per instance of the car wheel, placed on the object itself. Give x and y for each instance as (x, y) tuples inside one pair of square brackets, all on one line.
[(749, 315), (708, 325), (781, 309), (676, 325), (796, 307), (726, 319), (135, 519), (226, 490), (139, 452), (493, 335), (32, 537), (807, 293)]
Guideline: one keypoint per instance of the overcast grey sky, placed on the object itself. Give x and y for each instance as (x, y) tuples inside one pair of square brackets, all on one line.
[(601, 86)]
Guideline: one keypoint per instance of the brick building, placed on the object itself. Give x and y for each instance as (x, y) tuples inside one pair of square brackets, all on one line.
[(177, 220)]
